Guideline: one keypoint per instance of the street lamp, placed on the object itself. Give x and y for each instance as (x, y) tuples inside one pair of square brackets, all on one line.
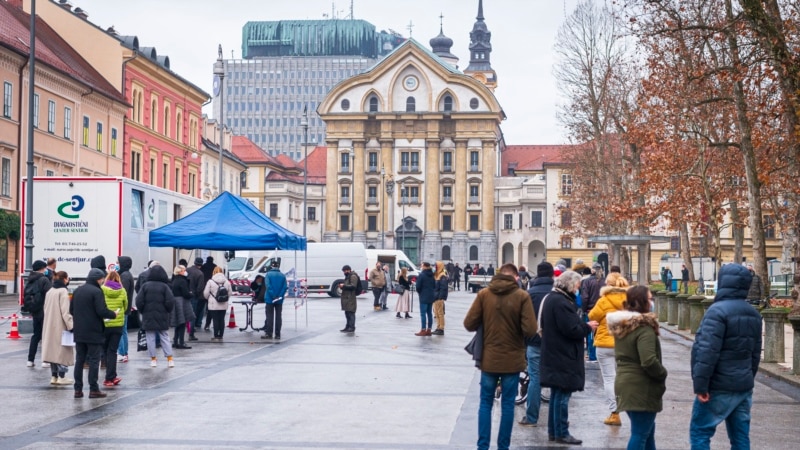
[(352, 157), (389, 192), (304, 124), (383, 196), (403, 195), (219, 78)]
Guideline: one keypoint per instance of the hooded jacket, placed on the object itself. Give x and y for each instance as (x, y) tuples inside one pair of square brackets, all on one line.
[(641, 376), (38, 282), (276, 286), (563, 332), (727, 347), (88, 309), (117, 301), (125, 264), (99, 262), (211, 289), (506, 313), (539, 289), (197, 282), (155, 300), (426, 286), (348, 300), (182, 312), (611, 299)]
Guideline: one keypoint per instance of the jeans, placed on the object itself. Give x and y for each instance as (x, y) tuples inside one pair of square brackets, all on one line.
[(38, 324), (590, 348), (376, 292), (57, 370), (534, 355), (643, 430), (608, 368), (558, 413), (274, 321), (87, 353), (426, 315), (166, 344), (218, 317), (122, 349), (508, 384), (199, 305), (112, 337), (733, 408)]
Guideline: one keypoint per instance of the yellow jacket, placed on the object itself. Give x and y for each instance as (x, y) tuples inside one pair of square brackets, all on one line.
[(611, 299)]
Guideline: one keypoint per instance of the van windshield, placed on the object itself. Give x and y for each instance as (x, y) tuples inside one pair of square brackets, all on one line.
[(236, 263)]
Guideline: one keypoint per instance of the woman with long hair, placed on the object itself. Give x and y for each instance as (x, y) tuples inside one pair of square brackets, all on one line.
[(404, 299), (183, 312), (217, 309), (441, 288), (117, 301), (57, 319)]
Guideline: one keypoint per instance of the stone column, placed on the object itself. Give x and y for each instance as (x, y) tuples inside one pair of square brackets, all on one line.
[(706, 302), (432, 203), (331, 193), (774, 345), (661, 305), (357, 190), (795, 320), (488, 170), (683, 311), (696, 312), (672, 308), (460, 187)]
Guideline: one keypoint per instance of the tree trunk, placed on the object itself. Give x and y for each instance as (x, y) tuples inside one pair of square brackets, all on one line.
[(686, 250), (738, 233)]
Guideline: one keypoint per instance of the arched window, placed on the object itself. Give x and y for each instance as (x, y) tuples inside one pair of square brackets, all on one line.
[(411, 104), (448, 103), (373, 104), (166, 121), (179, 126), (154, 115), (140, 102), (446, 253), (473, 253)]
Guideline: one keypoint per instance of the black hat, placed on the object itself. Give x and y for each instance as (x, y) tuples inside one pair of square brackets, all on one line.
[(39, 265), (346, 267), (198, 261), (95, 274), (544, 269)]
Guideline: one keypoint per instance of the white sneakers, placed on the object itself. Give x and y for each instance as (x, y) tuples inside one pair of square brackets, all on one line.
[(53, 380), (29, 364), (65, 381), (170, 363), (45, 364), (153, 363)]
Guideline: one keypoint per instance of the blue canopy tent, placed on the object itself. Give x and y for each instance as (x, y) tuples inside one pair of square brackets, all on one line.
[(226, 223)]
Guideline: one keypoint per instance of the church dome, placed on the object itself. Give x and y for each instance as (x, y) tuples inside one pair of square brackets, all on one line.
[(441, 43)]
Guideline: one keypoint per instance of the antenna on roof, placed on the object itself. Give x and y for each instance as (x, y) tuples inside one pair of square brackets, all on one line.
[(352, 17)]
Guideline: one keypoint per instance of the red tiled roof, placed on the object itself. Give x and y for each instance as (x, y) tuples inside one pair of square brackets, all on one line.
[(51, 49), (530, 157), (249, 152), (286, 162), (317, 162)]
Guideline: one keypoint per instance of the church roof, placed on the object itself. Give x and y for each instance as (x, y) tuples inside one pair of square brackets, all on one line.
[(414, 42)]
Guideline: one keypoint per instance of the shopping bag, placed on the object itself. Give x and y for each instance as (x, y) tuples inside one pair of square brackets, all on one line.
[(141, 341), (67, 338)]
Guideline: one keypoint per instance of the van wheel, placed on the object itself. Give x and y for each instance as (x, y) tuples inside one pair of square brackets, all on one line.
[(336, 291)]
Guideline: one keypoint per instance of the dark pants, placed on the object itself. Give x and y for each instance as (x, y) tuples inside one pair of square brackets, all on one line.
[(274, 314), (457, 283), (87, 353), (199, 305), (377, 292), (179, 338), (38, 323), (208, 315), (109, 352), (350, 318), (57, 370), (218, 317)]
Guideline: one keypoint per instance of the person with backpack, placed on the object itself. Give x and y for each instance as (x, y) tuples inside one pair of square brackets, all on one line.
[(33, 303), (351, 287), (276, 288), (217, 292)]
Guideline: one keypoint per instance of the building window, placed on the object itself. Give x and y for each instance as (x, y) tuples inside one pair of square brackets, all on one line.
[(8, 96), (448, 104), (344, 159), (536, 219), (312, 213), (165, 174), (35, 110), (372, 222), (136, 165), (179, 126), (49, 173), (769, 227), (414, 157), (447, 162), (473, 253), (192, 183), (411, 104), (675, 243), (51, 117), (344, 222), (154, 114), (179, 178), (137, 209), (113, 142), (474, 222), (447, 223), (373, 104), (85, 137), (414, 198), (273, 210), (372, 195), (474, 161), (446, 253), (166, 120), (474, 194), (345, 194), (67, 123), (566, 242), (153, 169), (372, 162), (6, 183), (566, 218), (447, 195), (508, 221), (566, 184), (99, 137)]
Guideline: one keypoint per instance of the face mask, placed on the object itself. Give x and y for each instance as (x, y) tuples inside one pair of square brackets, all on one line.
[(116, 267), (47, 271)]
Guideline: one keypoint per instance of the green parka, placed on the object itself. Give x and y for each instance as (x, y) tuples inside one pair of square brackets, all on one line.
[(641, 377), (116, 300)]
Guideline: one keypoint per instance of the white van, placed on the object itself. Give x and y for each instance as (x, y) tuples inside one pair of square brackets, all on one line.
[(395, 259), (325, 261)]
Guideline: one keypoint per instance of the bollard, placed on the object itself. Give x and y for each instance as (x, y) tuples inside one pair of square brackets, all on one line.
[(774, 345), (672, 308), (661, 305), (795, 320), (683, 311), (707, 302), (696, 312)]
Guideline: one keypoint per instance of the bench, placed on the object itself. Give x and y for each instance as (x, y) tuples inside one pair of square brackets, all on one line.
[(709, 287)]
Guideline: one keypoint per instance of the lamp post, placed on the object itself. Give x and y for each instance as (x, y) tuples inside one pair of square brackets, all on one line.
[(389, 192), (352, 158), (304, 124), (383, 196), (219, 75), (403, 195)]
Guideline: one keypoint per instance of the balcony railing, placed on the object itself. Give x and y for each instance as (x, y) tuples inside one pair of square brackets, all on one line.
[(345, 200), (474, 168), (404, 169), (372, 200), (372, 169), (447, 200), (415, 168), (447, 168), (474, 199)]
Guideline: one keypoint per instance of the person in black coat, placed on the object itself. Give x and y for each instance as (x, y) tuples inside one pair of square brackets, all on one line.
[(561, 367), (258, 288), (182, 314), (197, 283), (88, 309), (155, 301), (540, 287), (38, 284), (99, 262), (124, 264), (426, 289)]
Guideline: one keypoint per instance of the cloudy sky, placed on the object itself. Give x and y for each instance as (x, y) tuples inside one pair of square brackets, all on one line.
[(523, 34)]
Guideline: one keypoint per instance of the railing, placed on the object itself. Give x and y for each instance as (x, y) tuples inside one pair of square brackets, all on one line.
[(474, 168), (404, 169), (447, 168), (474, 199), (345, 200), (372, 200), (447, 200), (372, 169), (415, 168)]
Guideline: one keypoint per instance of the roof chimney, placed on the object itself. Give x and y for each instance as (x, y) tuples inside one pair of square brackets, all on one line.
[(65, 4), (82, 13)]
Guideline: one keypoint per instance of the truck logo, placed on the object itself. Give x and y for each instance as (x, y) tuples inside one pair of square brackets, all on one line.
[(151, 209), (76, 204)]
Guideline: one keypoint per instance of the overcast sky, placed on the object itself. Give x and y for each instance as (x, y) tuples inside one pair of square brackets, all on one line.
[(523, 34)]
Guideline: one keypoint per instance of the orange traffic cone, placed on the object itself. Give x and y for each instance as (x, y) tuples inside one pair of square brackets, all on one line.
[(232, 320), (14, 328)]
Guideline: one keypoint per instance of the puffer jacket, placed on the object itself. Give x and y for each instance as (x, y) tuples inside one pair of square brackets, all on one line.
[(727, 347), (155, 300), (210, 292), (117, 301), (641, 376), (506, 313), (540, 287), (563, 332), (182, 312), (611, 299), (441, 287), (426, 286)]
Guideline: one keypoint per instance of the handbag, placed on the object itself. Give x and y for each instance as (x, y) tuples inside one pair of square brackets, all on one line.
[(399, 288), (67, 338), (141, 341)]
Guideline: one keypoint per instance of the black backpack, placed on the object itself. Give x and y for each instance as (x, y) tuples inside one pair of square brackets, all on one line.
[(222, 293), (33, 300), (359, 286)]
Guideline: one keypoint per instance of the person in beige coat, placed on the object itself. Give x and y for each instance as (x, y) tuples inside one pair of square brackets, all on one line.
[(57, 319)]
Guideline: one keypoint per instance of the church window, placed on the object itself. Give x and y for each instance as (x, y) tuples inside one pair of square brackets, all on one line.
[(411, 104), (448, 103)]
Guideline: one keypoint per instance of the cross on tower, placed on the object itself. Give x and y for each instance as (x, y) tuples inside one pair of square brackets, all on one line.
[(410, 28)]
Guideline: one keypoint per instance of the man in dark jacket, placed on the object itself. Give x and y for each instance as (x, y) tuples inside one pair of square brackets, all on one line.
[(506, 314), (348, 300), (99, 262), (124, 264), (684, 279), (208, 268), (88, 309), (725, 357), (37, 286), (426, 289), (590, 292), (561, 367), (541, 286), (197, 284)]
